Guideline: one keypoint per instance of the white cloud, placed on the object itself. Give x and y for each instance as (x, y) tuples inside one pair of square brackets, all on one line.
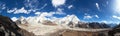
[(86, 14), (97, 5), (12, 10), (14, 18), (47, 14), (2, 6), (33, 5), (22, 10), (43, 6), (57, 3), (17, 11), (41, 18), (96, 16), (60, 11), (117, 17), (37, 13), (88, 17), (69, 7)]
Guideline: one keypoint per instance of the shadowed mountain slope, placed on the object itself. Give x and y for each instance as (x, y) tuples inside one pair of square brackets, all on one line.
[(9, 28)]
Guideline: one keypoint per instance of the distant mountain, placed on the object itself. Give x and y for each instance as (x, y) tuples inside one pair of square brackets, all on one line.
[(21, 20), (82, 25), (94, 25), (98, 25), (112, 25), (9, 28), (69, 20)]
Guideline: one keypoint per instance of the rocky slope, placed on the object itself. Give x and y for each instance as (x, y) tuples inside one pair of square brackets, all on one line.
[(92, 25), (9, 28), (115, 30)]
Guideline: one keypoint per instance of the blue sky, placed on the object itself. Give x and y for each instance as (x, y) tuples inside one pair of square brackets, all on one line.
[(85, 10)]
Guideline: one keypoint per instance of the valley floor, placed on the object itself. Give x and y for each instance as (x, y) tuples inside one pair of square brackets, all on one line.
[(58, 30)]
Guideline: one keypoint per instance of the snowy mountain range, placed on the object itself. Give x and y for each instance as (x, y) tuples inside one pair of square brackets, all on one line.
[(40, 19)]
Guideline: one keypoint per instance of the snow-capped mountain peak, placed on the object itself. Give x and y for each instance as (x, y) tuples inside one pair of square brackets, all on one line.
[(22, 20), (66, 20)]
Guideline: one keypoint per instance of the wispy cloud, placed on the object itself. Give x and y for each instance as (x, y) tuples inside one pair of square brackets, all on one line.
[(32, 4), (87, 17), (22, 10), (17, 11), (11, 10), (43, 6), (116, 17), (50, 14), (37, 13), (97, 5), (2, 6), (60, 11), (96, 16), (70, 6), (57, 3)]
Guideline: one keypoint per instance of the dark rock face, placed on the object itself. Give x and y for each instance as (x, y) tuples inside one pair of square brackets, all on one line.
[(114, 30), (94, 25), (9, 28), (112, 25), (84, 33), (98, 25)]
